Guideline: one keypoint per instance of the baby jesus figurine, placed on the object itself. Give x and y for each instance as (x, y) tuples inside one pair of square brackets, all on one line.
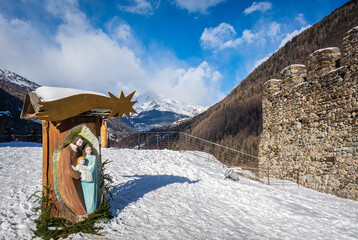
[(86, 176)]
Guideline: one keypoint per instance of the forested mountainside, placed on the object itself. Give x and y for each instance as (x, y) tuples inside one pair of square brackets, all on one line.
[(11, 126), (236, 121)]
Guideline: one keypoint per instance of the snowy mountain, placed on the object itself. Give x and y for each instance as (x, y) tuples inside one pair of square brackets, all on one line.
[(8, 77), (152, 101), (156, 111)]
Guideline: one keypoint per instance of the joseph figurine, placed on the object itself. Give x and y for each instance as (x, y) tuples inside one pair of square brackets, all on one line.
[(69, 179)]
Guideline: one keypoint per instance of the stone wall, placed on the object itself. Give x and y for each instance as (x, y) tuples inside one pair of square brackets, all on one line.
[(310, 125)]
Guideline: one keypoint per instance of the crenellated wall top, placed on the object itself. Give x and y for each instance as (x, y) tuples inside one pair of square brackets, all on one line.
[(320, 63)]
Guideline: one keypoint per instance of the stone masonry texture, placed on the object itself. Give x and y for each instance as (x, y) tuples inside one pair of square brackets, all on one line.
[(310, 125)]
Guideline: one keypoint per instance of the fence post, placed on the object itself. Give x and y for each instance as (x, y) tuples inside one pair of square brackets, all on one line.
[(138, 141), (268, 174), (157, 142), (180, 142), (298, 182), (184, 141), (147, 142), (282, 174)]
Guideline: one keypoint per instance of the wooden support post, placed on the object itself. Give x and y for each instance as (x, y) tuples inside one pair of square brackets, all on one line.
[(45, 155), (104, 136)]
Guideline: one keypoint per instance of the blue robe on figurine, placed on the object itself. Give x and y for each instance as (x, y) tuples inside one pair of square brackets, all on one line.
[(90, 189)]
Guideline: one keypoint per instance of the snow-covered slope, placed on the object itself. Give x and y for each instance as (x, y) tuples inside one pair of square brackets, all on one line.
[(14, 78), (152, 101), (172, 195)]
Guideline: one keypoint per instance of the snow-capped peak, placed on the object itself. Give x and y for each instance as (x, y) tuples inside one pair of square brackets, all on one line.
[(151, 101), (12, 77)]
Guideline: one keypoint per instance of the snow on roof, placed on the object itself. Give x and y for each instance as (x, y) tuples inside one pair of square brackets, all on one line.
[(54, 93)]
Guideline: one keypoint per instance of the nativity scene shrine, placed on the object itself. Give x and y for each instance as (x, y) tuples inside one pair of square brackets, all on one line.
[(71, 130)]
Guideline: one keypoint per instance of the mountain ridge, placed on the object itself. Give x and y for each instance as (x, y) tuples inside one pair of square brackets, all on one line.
[(15, 84), (152, 101), (155, 111)]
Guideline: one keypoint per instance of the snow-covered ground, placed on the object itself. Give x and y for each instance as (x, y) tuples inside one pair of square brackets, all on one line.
[(171, 195)]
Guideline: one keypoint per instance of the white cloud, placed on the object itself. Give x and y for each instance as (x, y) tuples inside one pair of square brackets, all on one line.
[(283, 42), (223, 36), (142, 7), (258, 6), (301, 19), (80, 56), (118, 30), (292, 35), (274, 29), (199, 84), (197, 5), (248, 36), (61, 8), (123, 31), (214, 38)]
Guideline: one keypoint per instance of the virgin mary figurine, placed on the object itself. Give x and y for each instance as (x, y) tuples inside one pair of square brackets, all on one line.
[(90, 189)]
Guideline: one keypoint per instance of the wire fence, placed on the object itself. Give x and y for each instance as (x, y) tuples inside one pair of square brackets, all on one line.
[(244, 163), (146, 140), (227, 156)]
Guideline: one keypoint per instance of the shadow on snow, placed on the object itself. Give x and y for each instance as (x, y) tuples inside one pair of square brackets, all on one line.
[(135, 189)]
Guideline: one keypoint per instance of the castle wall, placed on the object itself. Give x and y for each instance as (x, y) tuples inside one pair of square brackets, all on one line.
[(310, 125)]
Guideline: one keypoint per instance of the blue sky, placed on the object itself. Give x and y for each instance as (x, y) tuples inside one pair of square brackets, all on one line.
[(195, 51)]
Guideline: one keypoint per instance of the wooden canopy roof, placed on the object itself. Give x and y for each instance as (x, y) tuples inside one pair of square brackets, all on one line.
[(82, 104)]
